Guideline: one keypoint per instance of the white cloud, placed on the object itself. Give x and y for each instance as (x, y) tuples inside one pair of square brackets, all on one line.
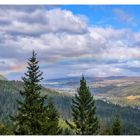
[(41, 21), (60, 35)]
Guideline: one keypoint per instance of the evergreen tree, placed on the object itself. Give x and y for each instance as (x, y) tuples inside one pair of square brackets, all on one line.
[(51, 125), (5, 130), (31, 111), (116, 130), (84, 111)]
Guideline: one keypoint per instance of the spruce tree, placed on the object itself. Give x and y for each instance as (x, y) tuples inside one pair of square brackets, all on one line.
[(31, 111), (84, 111), (116, 129)]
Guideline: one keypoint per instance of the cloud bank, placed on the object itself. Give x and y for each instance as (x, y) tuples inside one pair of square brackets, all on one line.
[(66, 44)]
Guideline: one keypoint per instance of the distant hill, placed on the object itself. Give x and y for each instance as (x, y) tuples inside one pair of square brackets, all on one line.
[(73, 81), (123, 91), (2, 77), (120, 90)]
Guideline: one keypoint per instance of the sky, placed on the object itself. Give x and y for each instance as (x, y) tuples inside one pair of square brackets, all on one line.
[(70, 40)]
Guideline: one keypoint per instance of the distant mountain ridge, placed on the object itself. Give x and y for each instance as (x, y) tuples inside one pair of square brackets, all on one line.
[(87, 78)]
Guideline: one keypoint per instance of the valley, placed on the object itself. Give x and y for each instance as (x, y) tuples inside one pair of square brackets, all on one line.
[(124, 91)]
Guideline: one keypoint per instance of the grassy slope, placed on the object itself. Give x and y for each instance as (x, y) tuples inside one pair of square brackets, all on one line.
[(128, 95)]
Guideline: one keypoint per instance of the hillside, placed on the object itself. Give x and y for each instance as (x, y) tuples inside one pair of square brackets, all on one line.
[(2, 77), (9, 92), (124, 91)]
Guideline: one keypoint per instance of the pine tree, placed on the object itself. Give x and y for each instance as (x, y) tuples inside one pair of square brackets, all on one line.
[(84, 111), (51, 126), (31, 111), (116, 129)]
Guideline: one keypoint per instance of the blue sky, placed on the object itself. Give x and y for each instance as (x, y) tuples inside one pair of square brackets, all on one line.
[(105, 15), (71, 40)]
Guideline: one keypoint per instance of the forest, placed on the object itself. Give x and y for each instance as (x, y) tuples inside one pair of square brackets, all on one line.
[(27, 108)]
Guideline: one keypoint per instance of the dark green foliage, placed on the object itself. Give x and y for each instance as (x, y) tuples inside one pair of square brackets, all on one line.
[(51, 125), (116, 129), (63, 104), (129, 116), (5, 130), (8, 95), (30, 116), (84, 111), (104, 128), (67, 131)]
